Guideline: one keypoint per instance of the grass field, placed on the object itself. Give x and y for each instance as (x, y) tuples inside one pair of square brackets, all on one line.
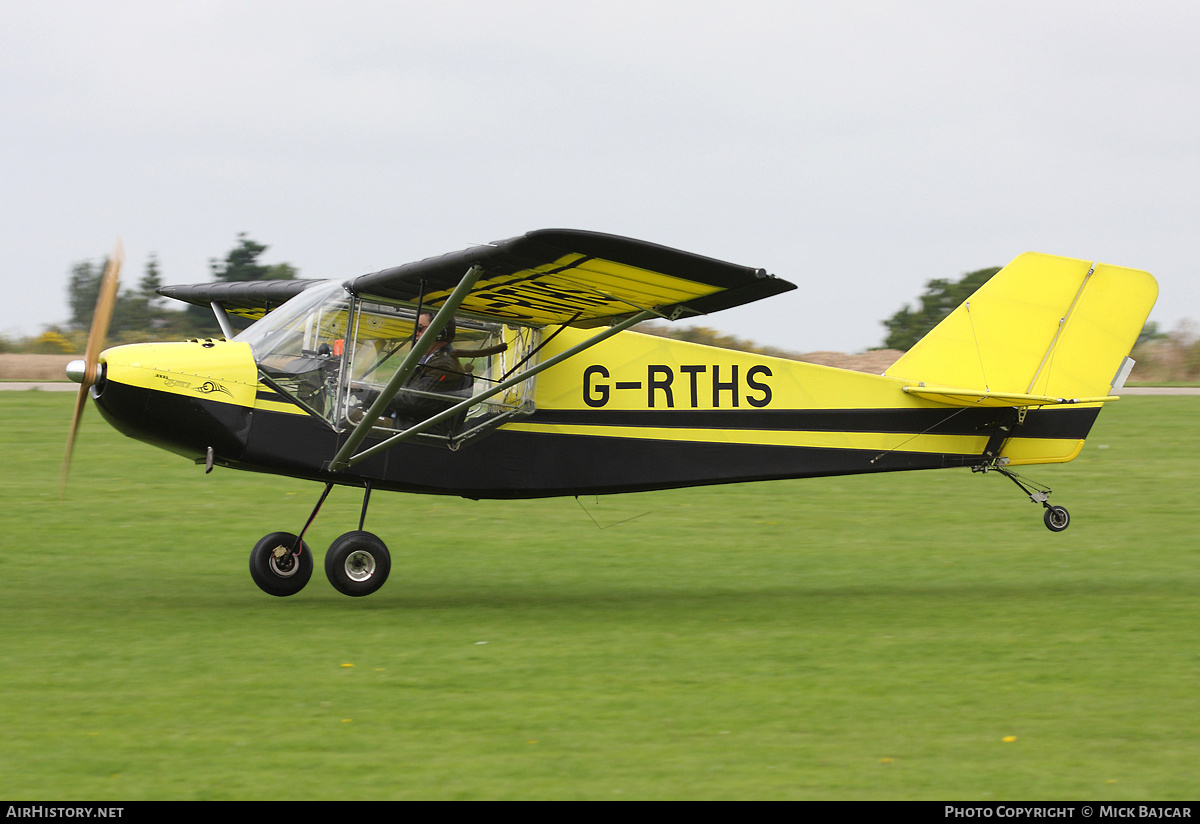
[(916, 635)]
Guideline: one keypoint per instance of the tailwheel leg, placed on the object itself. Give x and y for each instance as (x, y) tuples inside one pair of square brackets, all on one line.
[(1056, 518)]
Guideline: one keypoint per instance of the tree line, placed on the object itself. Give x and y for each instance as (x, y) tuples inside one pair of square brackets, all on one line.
[(140, 314)]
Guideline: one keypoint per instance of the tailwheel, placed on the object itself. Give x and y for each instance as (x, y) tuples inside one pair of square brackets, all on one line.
[(357, 563), (281, 564), (1057, 518)]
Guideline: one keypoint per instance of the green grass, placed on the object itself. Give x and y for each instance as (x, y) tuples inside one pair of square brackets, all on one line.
[(863, 637)]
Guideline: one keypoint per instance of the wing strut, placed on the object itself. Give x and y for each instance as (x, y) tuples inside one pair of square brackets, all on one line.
[(344, 459), (223, 320)]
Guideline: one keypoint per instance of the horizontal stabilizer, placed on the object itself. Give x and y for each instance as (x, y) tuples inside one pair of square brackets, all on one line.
[(974, 397)]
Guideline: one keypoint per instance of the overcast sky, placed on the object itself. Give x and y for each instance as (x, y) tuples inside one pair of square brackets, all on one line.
[(857, 149)]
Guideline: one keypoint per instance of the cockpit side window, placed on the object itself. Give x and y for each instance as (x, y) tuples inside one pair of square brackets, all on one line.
[(333, 354), (382, 338)]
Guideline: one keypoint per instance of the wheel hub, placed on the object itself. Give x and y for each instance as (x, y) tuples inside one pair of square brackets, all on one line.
[(283, 562), (360, 565)]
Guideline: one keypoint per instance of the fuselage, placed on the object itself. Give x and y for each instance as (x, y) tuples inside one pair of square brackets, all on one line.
[(636, 412)]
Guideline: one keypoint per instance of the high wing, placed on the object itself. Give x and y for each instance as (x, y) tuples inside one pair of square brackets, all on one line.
[(566, 276), (542, 278), (248, 299)]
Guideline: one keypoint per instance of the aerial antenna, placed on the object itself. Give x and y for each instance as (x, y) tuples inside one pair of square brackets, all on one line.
[(597, 523)]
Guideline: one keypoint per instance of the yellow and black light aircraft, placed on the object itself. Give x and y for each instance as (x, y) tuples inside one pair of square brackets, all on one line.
[(552, 396)]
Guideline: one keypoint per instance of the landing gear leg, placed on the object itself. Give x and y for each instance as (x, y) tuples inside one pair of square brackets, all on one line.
[(316, 509), (1056, 518), (362, 518)]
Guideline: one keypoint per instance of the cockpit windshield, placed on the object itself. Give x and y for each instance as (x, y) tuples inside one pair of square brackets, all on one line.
[(298, 347), (318, 311)]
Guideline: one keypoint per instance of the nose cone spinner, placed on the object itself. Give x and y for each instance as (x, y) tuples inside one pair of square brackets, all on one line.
[(76, 370)]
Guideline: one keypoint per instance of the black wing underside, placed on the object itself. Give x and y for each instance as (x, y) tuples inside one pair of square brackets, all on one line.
[(248, 299), (557, 276), (542, 278)]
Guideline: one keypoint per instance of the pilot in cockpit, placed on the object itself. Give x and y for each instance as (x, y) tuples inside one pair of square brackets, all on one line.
[(439, 372)]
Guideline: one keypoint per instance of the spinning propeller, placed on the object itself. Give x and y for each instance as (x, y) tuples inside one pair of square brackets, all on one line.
[(85, 371)]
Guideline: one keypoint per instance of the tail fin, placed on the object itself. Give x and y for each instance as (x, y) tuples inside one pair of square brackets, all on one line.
[(1042, 330)]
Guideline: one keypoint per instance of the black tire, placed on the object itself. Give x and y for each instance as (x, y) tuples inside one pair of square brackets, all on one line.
[(1057, 518), (280, 573), (357, 564)]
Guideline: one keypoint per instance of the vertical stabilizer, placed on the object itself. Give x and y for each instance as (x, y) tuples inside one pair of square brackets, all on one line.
[(1043, 325)]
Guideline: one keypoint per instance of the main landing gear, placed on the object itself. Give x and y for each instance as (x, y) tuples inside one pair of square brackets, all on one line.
[(281, 564), (1056, 518), (357, 563)]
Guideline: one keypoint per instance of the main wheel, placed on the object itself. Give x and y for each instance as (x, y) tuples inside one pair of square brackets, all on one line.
[(1057, 518), (357, 564), (276, 568)]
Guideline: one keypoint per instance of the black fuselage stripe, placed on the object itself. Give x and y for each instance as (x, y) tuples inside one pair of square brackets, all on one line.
[(1045, 423), (1057, 423)]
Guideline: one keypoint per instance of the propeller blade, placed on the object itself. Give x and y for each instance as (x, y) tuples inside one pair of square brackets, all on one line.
[(80, 401), (105, 301)]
